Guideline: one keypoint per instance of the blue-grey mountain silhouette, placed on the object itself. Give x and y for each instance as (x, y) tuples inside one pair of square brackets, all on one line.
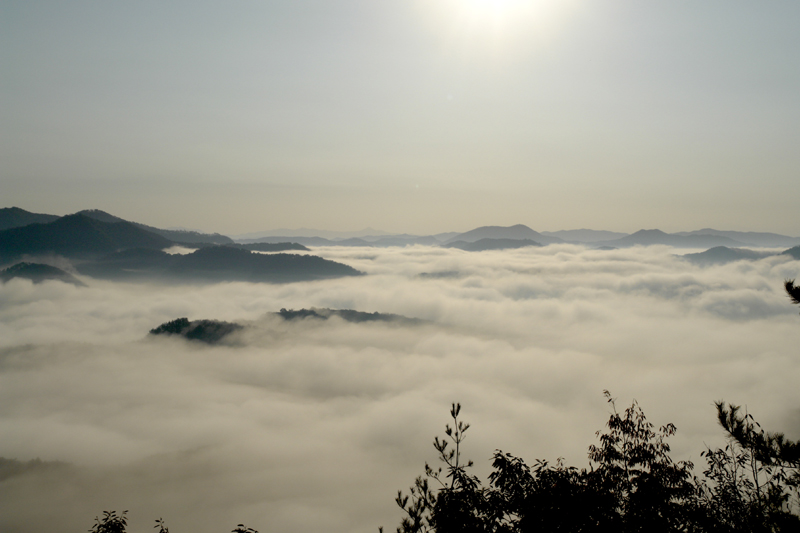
[(751, 238), (649, 237), (214, 264), (76, 236), (517, 232), (38, 272), (723, 254), (585, 236), (794, 252), (491, 244), (14, 217), (179, 236)]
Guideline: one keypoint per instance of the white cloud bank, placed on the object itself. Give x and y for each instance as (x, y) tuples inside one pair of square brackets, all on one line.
[(312, 426)]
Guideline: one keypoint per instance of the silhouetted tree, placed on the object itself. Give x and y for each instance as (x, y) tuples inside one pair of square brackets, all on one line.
[(750, 484), (111, 523), (632, 485), (792, 291)]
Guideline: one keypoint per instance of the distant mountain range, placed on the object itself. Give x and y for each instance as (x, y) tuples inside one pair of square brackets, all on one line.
[(105, 246), (653, 236), (722, 254), (213, 264), (517, 232), (76, 236), (766, 240), (585, 235), (14, 217), (482, 245), (178, 236)]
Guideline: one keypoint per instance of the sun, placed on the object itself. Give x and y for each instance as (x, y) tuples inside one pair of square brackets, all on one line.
[(492, 26)]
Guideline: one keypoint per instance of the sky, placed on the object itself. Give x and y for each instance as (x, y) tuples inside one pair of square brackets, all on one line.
[(315, 426), (405, 116)]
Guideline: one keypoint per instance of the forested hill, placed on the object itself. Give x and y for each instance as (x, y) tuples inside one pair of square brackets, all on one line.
[(76, 236), (214, 264)]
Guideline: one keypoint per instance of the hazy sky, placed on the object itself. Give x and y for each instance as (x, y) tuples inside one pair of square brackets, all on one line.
[(407, 116), (314, 426)]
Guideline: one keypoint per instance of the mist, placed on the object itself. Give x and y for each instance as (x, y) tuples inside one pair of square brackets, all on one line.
[(311, 425)]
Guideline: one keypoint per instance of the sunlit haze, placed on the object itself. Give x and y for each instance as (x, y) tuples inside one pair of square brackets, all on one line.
[(418, 117), (252, 252)]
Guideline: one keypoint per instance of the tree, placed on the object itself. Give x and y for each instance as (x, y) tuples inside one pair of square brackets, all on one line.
[(632, 485), (792, 290), (749, 485)]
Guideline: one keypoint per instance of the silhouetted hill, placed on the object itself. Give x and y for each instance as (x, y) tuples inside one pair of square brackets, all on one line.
[(76, 236), (723, 254), (255, 246), (348, 315), (179, 236), (491, 244), (214, 264), (272, 247), (585, 235), (654, 236), (353, 241), (306, 241), (213, 331), (794, 252), (38, 273), (518, 232), (14, 217), (208, 331), (767, 240)]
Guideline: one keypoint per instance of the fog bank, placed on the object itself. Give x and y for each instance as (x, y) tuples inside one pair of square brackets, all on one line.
[(314, 425)]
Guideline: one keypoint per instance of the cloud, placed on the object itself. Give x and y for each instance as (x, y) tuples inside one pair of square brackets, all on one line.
[(311, 425)]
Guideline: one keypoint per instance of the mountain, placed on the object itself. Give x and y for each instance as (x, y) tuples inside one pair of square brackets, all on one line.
[(271, 247), (208, 331), (585, 235), (372, 240), (751, 238), (14, 217), (38, 273), (305, 241), (214, 264), (518, 232), (76, 236), (257, 236), (214, 331), (794, 252), (722, 254), (347, 315), (491, 244), (178, 236), (653, 236)]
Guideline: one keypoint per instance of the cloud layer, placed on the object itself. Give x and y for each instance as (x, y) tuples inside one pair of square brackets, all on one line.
[(312, 425)]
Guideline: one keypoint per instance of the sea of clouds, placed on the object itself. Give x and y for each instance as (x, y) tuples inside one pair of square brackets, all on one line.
[(314, 425)]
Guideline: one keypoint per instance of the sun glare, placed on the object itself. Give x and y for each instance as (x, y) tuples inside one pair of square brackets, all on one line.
[(494, 25)]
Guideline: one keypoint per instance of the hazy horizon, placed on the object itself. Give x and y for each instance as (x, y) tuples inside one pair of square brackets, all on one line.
[(406, 116), (409, 117)]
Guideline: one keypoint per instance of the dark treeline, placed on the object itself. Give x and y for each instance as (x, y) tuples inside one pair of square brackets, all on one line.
[(631, 484)]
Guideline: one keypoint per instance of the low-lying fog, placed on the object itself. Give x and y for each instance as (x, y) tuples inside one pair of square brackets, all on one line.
[(314, 425)]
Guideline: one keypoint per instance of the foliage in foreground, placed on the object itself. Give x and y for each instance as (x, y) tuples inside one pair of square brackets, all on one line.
[(631, 484), (113, 523)]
